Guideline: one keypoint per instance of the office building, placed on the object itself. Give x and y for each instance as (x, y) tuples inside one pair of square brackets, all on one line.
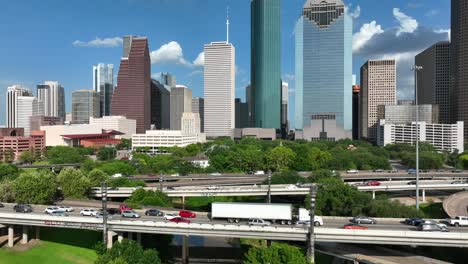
[(103, 84), (181, 102), (13, 93), (459, 61), (284, 107), (434, 78), (406, 114), (378, 87), (160, 105), (72, 135), (52, 95), (267, 134), (168, 79), (250, 105), (324, 127), (444, 137), (28, 106), (266, 62), (198, 107), (40, 120), (241, 113), (118, 123), (356, 103), (85, 104), (132, 95), (405, 102), (220, 83), (324, 66), (11, 147)]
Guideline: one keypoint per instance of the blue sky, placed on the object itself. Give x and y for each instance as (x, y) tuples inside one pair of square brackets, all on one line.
[(61, 40)]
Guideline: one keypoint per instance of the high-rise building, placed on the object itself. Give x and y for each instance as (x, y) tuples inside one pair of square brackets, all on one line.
[(198, 107), (266, 62), (378, 87), (28, 106), (168, 79), (181, 102), (220, 83), (103, 83), (406, 114), (132, 95), (85, 104), (434, 78), (250, 105), (356, 103), (241, 114), (324, 65), (160, 105), (52, 96), (405, 102), (13, 93), (284, 106), (459, 62)]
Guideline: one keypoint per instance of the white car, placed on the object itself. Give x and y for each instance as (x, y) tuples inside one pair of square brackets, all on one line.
[(212, 187), (259, 173), (352, 171), (50, 210), (458, 221), (215, 174), (66, 209), (175, 175), (259, 222), (291, 187), (88, 212), (170, 216), (117, 175)]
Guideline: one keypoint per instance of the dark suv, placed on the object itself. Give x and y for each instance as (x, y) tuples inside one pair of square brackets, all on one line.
[(154, 212), (23, 208)]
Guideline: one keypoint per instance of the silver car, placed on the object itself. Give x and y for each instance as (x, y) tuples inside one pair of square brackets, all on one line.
[(259, 222), (130, 214), (432, 228)]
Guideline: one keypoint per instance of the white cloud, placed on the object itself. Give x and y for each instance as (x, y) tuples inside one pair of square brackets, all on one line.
[(200, 60), (156, 75), (366, 33), (407, 23), (354, 14), (288, 77), (169, 53), (98, 42), (448, 31)]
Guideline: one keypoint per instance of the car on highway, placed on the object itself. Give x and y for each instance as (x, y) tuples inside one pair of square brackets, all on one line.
[(432, 228), (1, 205), (169, 216), (318, 221), (393, 171), (187, 214), (440, 170), (457, 171), (66, 209), (130, 214), (88, 212), (292, 187), (458, 182), (50, 210), (59, 213), (175, 175), (458, 221), (179, 219), (355, 227), (215, 174), (415, 221), (352, 171), (212, 187), (259, 222), (154, 212), (124, 207), (372, 183), (23, 208), (363, 220), (411, 171), (411, 183), (433, 222), (117, 175), (379, 171), (113, 211), (259, 173)]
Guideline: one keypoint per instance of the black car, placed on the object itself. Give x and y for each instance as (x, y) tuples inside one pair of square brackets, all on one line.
[(113, 211), (415, 221), (363, 220), (1, 205), (23, 208), (154, 212)]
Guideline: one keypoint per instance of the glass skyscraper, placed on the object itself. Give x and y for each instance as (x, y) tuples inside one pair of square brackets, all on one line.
[(266, 63), (103, 83), (324, 63)]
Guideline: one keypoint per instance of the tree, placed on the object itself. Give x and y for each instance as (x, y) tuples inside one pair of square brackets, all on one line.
[(116, 167), (107, 153), (6, 192), (124, 144), (277, 253), (96, 177), (8, 171), (285, 177), (61, 155), (280, 158), (125, 182), (73, 183), (142, 197), (26, 157), (128, 251), (38, 187)]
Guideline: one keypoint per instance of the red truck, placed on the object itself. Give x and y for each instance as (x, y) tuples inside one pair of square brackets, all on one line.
[(124, 207)]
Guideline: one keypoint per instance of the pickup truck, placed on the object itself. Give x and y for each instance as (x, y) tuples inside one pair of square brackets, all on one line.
[(458, 221)]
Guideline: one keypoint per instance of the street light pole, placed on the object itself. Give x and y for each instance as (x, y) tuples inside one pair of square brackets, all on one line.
[(161, 182), (417, 68), (269, 186), (311, 240), (104, 212)]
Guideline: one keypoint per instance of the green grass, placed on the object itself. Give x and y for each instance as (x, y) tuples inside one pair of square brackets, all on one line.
[(433, 210)]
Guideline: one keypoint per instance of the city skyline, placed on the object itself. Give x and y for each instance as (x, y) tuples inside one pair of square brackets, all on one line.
[(405, 20)]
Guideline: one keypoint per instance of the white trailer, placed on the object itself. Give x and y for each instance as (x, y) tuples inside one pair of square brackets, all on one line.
[(235, 212)]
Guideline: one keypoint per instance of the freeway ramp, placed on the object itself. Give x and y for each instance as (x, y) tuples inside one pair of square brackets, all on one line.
[(456, 204)]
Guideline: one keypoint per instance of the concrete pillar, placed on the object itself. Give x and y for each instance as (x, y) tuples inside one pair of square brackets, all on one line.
[(130, 236), (119, 236), (183, 202), (373, 195), (185, 250), (11, 236), (110, 236), (38, 233), (138, 235), (423, 195), (24, 239)]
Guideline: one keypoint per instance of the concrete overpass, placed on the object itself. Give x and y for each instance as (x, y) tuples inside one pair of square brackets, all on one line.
[(51, 166), (456, 204)]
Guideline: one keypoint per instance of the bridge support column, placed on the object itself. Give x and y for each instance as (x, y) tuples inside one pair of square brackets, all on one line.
[(38, 233), (183, 202), (110, 239), (185, 250), (24, 239), (138, 238), (373, 195), (119, 236), (130, 236), (11, 236), (423, 195)]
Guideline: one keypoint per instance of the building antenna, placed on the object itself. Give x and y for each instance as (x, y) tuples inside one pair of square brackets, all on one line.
[(227, 23)]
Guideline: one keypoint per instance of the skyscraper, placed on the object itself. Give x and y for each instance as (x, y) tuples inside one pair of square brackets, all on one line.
[(356, 115), (168, 79), (378, 87), (220, 83), (52, 95), (324, 64), (284, 105), (181, 102), (13, 93), (459, 62), (103, 83), (434, 78), (85, 104), (132, 96), (266, 62), (198, 107), (160, 105)]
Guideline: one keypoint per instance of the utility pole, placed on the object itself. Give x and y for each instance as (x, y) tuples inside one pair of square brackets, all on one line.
[(104, 212), (311, 239), (161, 179), (269, 186), (416, 69)]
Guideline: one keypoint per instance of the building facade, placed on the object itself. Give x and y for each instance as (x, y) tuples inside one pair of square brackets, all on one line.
[(13, 94), (435, 78), (241, 113), (324, 64), (444, 137), (103, 84), (219, 94), (198, 107), (41, 120), (28, 107), (378, 87), (324, 127), (168, 79), (181, 102), (459, 61), (284, 106), (356, 115), (266, 63), (160, 105), (11, 147), (132, 96), (52, 95), (85, 104), (406, 114), (118, 123)]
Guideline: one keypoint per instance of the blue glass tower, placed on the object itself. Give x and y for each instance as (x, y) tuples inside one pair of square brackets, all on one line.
[(324, 63)]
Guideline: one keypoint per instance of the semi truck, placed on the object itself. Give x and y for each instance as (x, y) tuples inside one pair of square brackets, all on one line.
[(276, 213)]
